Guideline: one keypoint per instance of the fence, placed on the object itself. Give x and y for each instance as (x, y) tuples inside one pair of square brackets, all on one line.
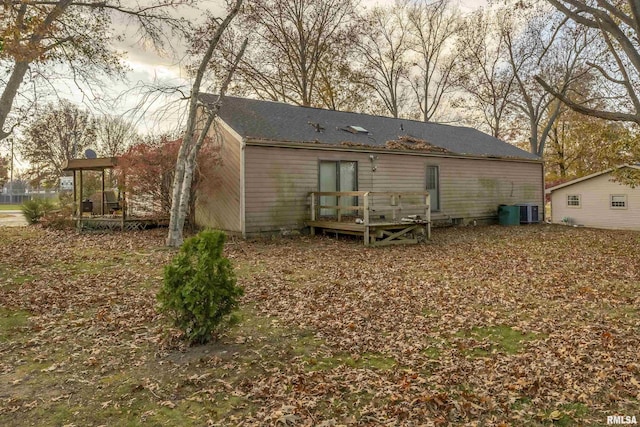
[(18, 199)]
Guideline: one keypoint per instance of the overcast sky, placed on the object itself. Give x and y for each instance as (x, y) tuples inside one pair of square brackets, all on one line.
[(146, 63), (148, 66)]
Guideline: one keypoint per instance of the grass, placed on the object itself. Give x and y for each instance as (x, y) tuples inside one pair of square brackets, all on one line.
[(365, 361), (11, 322), (500, 338), (8, 207), (483, 325)]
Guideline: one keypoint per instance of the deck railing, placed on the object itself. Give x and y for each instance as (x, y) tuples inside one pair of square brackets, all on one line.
[(371, 206)]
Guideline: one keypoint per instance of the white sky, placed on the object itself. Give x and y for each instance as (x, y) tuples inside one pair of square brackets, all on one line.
[(147, 66)]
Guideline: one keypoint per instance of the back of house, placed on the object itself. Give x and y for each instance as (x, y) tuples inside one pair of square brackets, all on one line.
[(274, 155)]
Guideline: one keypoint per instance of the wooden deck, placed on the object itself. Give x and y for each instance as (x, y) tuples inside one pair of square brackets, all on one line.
[(381, 218)]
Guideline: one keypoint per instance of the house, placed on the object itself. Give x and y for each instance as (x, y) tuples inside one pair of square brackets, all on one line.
[(274, 155), (598, 201)]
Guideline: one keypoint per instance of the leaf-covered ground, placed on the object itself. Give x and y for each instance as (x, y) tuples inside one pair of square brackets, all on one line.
[(534, 325)]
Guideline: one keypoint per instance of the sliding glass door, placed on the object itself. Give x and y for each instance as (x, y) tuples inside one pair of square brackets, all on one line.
[(338, 175)]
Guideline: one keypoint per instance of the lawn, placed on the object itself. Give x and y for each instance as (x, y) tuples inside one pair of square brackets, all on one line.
[(10, 207), (491, 326)]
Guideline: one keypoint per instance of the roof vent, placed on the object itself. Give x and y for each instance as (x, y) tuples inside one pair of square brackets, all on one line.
[(356, 129), (316, 126)]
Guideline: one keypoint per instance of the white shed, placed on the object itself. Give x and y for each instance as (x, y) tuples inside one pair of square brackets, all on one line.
[(597, 201)]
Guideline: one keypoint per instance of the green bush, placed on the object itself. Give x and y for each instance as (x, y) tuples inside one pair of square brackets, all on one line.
[(35, 209), (200, 290)]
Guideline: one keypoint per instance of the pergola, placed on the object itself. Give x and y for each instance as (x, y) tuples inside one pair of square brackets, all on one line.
[(78, 166)]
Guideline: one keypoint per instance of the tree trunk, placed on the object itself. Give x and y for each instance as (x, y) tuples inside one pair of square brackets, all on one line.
[(186, 162), (9, 94)]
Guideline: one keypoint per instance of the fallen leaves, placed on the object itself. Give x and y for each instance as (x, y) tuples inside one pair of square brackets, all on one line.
[(492, 326)]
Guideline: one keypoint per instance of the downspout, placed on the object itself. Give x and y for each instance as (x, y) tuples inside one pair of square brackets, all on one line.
[(243, 226)]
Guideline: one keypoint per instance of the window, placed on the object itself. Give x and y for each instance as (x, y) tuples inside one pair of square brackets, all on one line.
[(573, 200), (338, 176), (433, 186), (618, 201)]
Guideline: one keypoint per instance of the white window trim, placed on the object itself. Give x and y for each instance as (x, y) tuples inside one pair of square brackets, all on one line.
[(626, 202), (579, 205)]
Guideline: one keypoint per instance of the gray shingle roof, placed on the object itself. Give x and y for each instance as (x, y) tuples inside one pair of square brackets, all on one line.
[(275, 121)]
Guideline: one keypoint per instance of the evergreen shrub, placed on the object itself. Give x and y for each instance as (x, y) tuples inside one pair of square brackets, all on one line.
[(199, 290), (35, 209)]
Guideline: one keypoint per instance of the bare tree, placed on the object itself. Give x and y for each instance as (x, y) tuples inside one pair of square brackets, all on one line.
[(114, 135), (618, 64), (384, 51), (433, 27), (40, 37), (542, 44), (342, 85), (57, 134), (199, 120), (291, 42), (482, 70)]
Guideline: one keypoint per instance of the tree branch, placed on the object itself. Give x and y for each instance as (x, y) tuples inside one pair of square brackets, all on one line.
[(607, 115)]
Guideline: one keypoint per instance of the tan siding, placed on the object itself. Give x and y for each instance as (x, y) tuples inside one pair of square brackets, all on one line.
[(219, 207), (594, 210), (278, 181), (475, 188)]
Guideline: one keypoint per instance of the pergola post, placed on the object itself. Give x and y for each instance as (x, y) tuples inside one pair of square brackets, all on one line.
[(79, 205), (104, 199), (75, 195)]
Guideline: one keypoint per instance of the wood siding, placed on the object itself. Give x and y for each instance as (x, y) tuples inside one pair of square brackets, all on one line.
[(594, 209), (278, 181), (219, 206)]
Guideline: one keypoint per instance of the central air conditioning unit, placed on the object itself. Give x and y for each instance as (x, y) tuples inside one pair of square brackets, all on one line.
[(529, 213)]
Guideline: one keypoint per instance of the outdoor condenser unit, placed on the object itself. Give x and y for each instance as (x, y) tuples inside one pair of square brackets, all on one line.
[(528, 213)]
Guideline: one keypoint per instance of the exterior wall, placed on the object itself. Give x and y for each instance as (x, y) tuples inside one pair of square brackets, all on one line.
[(595, 210), (278, 181), (219, 206)]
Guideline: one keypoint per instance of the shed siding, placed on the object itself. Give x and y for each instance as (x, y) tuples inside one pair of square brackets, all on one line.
[(594, 210), (219, 206), (278, 181)]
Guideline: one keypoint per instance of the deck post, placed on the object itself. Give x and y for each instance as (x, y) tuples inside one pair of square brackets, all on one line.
[(366, 218), (427, 214), (312, 229)]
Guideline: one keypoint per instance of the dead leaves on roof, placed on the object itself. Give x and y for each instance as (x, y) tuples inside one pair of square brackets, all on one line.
[(411, 143), (403, 143)]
